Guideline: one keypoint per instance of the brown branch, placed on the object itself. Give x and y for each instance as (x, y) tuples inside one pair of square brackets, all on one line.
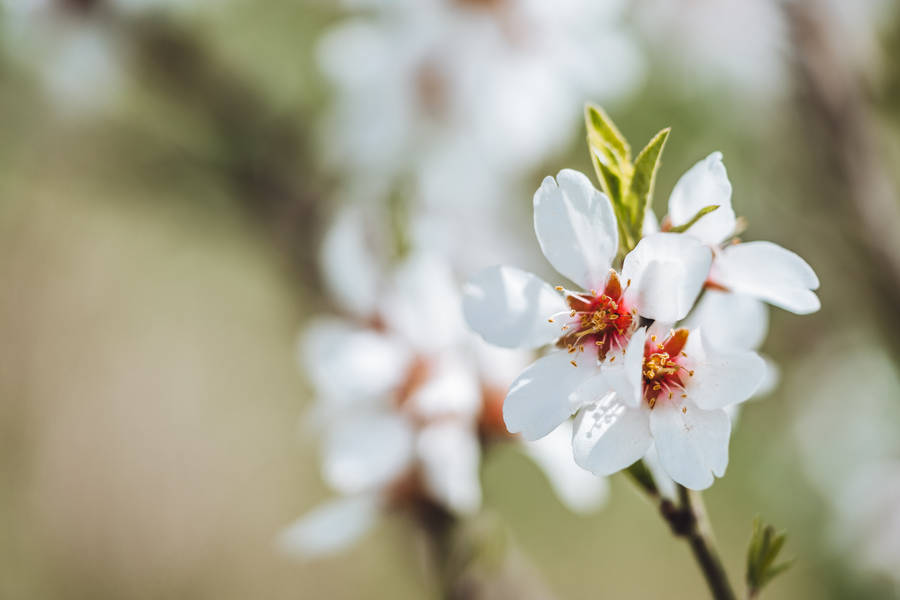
[(688, 520)]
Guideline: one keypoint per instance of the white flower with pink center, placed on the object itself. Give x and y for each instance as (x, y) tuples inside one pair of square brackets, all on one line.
[(761, 270), (578, 234), (669, 391)]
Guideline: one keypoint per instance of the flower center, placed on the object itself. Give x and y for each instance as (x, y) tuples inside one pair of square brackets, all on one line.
[(663, 373), (601, 320)]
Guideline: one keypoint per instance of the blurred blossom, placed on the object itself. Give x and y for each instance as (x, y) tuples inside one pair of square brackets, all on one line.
[(464, 96), (745, 45), (406, 396), (848, 440), (869, 523), (73, 56), (75, 48)]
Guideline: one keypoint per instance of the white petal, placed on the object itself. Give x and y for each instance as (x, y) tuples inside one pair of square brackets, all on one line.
[(624, 376), (450, 455), (348, 365), (730, 320), (768, 272), (423, 303), (610, 436), (350, 265), (366, 451), (704, 184), (542, 396), (692, 443), (770, 380), (720, 378), (666, 273), (576, 228), (664, 483), (452, 388), (651, 223), (330, 528), (511, 308), (578, 489)]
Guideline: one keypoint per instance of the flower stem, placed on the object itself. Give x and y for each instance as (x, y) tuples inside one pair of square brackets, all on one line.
[(688, 520)]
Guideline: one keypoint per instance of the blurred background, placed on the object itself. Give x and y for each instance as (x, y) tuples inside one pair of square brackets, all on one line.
[(169, 168)]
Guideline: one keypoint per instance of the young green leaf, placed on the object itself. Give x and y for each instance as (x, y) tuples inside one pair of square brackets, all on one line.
[(762, 552), (610, 180), (602, 132), (641, 187), (700, 214)]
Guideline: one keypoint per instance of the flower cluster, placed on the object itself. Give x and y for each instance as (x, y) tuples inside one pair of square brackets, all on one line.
[(640, 371)]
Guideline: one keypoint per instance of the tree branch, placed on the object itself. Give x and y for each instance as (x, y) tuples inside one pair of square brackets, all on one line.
[(688, 520)]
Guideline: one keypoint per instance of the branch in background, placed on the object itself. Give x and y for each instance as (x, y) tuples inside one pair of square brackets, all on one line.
[(839, 128), (265, 156), (475, 560)]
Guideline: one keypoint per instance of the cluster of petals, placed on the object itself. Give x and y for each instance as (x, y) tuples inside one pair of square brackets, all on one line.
[(637, 387), (401, 386)]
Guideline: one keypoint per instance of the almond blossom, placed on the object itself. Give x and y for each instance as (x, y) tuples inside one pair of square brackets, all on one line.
[(577, 232), (761, 270), (669, 391)]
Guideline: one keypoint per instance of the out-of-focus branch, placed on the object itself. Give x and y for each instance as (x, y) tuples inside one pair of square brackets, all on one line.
[(457, 557), (265, 156), (840, 130)]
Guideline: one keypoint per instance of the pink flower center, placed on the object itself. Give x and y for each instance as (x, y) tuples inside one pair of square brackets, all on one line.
[(600, 320), (663, 371)]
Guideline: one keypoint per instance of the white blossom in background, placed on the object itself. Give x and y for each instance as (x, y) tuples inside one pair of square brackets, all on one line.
[(405, 395), (868, 527), (73, 47), (73, 57), (744, 45), (667, 388), (460, 98), (857, 470)]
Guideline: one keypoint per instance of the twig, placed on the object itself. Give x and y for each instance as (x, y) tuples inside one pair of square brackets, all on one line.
[(688, 520)]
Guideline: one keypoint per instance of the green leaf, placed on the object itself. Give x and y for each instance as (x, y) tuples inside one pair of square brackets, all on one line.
[(762, 552), (610, 181), (641, 187), (601, 131), (700, 214)]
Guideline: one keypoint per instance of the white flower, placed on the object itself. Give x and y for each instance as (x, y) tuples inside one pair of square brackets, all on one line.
[(577, 232), (670, 393), (761, 270)]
